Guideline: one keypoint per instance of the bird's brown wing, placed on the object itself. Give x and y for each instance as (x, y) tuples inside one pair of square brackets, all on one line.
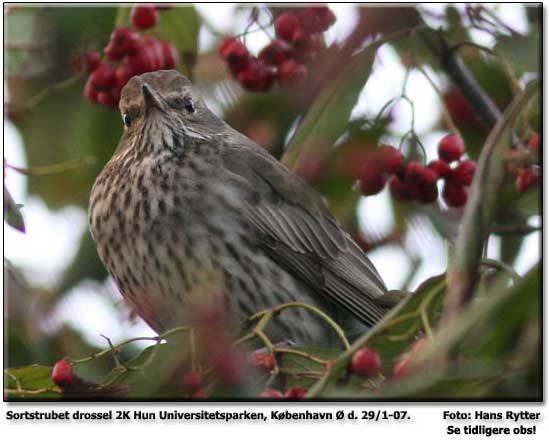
[(299, 233)]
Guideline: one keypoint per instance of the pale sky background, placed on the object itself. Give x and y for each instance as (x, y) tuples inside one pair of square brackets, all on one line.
[(49, 243)]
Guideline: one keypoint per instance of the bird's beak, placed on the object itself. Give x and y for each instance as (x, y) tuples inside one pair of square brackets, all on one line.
[(151, 98)]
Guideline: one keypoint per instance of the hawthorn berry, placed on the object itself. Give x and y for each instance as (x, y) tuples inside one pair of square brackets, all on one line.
[(170, 56), (256, 76), (428, 194), (192, 381), (459, 108), (390, 159), (92, 61), (454, 194), (463, 174), (144, 17), (123, 41), (527, 178), (401, 190), (272, 393), (291, 73), (62, 373), (263, 360), (89, 91), (451, 148), (402, 366), (372, 181), (366, 362), (276, 52), (235, 53), (103, 76), (286, 24), (440, 167), (533, 143), (295, 393), (418, 176)]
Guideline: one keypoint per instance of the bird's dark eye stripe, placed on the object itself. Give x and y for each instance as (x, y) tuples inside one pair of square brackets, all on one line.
[(127, 119)]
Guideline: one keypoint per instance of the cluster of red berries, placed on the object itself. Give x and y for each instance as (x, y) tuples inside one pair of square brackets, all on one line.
[(192, 385), (414, 181), (299, 40), (134, 55), (529, 176)]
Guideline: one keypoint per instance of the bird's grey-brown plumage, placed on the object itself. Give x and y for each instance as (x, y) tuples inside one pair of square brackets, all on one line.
[(188, 204)]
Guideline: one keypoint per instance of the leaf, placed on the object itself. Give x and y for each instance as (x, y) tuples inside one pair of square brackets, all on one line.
[(297, 369), (392, 335), (483, 200), (488, 344), (12, 212), (522, 52), (328, 116), (180, 26), (30, 382)]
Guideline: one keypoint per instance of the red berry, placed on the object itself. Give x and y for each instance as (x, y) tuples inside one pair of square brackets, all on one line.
[(307, 45), (455, 195), (533, 143), (459, 108), (62, 373), (200, 394), (235, 53), (372, 181), (276, 52), (144, 17), (440, 167), (286, 24), (123, 42), (171, 57), (311, 168), (418, 176), (256, 77), (366, 362), (309, 20), (463, 174), (271, 394), (92, 59), (263, 360), (428, 193), (89, 91), (105, 98), (326, 16), (155, 51), (295, 393), (402, 366), (122, 75), (390, 159), (291, 73), (451, 148), (103, 76), (401, 190), (192, 381), (527, 178)]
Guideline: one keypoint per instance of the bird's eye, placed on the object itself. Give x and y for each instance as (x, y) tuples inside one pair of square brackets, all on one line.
[(127, 120), (189, 105)]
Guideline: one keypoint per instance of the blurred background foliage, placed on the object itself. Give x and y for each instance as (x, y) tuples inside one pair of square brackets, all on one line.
[(58, 126)]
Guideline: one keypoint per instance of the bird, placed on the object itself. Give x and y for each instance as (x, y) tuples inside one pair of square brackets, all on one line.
[(189, 207)]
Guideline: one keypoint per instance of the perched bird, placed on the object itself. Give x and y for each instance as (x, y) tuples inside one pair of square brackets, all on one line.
[(188, 206)]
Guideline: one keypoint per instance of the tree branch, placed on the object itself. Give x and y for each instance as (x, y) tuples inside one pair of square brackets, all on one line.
[(461, 76)]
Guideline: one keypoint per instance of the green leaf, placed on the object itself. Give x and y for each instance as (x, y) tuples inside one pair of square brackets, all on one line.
[(522, 52), (391, 336), (328, 116), (12, 212), (180, 26), (30, 382)]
